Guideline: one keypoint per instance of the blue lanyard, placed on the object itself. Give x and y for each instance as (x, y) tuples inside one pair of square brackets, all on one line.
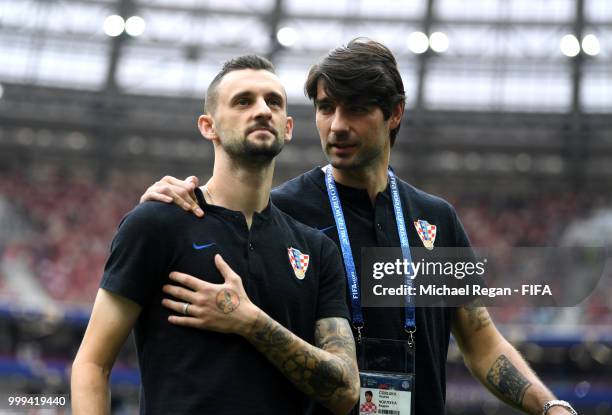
[(409, 318), (347, 253)]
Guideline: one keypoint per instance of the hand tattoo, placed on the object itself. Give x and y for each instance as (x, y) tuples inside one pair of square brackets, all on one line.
[(507, 380), (227, 301)]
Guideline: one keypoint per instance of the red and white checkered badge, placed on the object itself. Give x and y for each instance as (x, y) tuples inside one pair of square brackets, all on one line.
[(426, 232), (299, 262)]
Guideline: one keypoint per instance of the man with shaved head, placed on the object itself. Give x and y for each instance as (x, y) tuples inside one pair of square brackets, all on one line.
[(242, 312)]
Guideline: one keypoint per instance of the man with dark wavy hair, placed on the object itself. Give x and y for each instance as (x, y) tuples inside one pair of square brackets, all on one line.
[(358, 97)]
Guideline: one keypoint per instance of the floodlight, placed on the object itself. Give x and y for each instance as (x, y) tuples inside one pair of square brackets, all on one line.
[(418, 42), (590, 45), (286, 36), (570, 46), (114, 25), (135, 26), (438, 42)]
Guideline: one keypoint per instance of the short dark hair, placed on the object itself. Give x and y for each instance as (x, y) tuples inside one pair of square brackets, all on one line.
[(368, 393), (364, 71), (235, 64)]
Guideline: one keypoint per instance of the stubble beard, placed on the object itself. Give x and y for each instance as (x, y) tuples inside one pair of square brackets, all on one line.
[(363, 159)]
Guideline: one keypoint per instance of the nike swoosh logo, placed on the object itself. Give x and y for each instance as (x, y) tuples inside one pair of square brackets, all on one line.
[(198, 247), (328, 228)]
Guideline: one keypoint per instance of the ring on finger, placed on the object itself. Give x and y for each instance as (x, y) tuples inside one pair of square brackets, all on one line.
[(186, 308)]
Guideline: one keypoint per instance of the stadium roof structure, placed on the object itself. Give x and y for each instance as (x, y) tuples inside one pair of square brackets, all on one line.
[(501, 54), (540, 70)]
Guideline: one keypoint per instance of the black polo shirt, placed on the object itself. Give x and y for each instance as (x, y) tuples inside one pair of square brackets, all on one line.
[(305, 199), (189, 371)]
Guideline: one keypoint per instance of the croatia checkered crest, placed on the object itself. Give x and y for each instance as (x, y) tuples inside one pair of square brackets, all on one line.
[(299, 262), (427, 233)]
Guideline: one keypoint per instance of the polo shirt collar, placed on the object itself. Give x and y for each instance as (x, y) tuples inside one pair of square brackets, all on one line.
[(205, 206), (347, 193)]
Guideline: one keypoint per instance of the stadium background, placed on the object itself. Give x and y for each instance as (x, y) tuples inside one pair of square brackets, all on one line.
[(507, 117)]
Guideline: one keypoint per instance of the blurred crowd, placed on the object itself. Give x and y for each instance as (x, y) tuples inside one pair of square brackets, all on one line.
[(500, 223), (507, 222), (72, 219), (70, 216)]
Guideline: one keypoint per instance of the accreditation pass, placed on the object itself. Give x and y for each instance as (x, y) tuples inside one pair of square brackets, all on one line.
[(386, 393)]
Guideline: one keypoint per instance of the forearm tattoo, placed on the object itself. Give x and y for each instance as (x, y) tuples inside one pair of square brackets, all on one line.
[(505, 378), (323, 377), (477, 315), (335, 334), (271, 337), (227, 301), (310, 369)]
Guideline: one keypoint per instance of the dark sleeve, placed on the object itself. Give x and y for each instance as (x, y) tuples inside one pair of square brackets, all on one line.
[(137, 264), (461, 237), (332, 283), (466, 253)]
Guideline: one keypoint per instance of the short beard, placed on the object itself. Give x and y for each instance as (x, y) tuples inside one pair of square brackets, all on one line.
[(250, 153)]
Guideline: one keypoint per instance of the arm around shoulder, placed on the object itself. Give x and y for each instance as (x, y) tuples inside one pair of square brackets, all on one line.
[(111, 321)]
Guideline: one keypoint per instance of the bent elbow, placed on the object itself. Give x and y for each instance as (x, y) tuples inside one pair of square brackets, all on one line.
[(348, 400), (345, 407)]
